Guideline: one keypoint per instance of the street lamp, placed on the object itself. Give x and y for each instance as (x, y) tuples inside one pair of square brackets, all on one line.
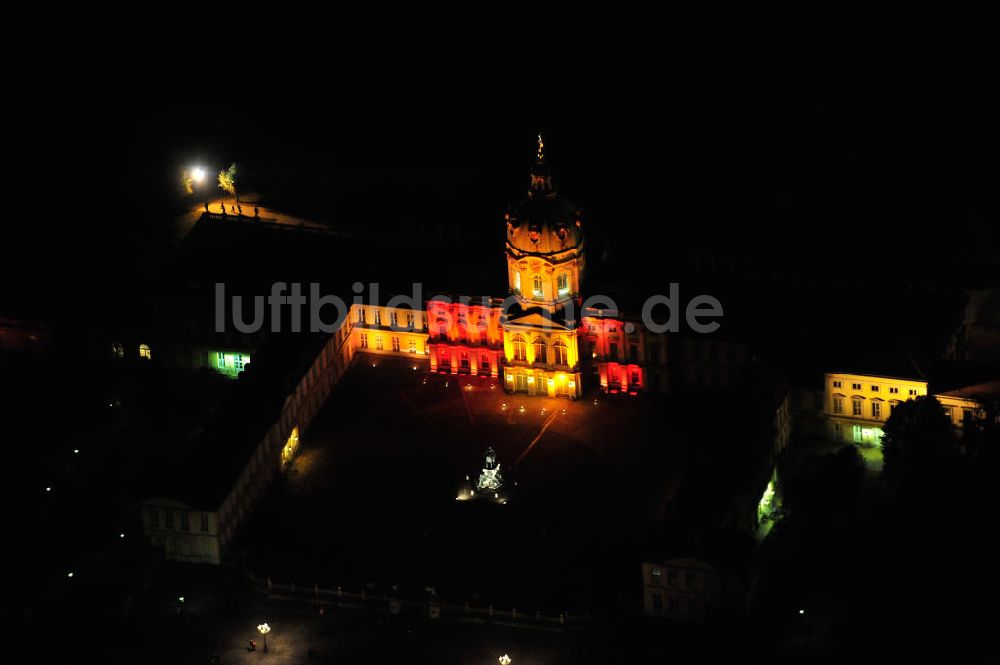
[(264, 630), (504, 659), (197, 179)]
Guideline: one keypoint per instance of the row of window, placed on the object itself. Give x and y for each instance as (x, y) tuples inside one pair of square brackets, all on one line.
[(235, 362), (394, 340), (857, 407), (893, 390), (862, 435), (652, 350), (614, 376), (444, 361), (525, 382), (394, 318), (477, 335), (153, 517), (633, 351), (118, 351), (537, 285), (968, 415), (520, 345)]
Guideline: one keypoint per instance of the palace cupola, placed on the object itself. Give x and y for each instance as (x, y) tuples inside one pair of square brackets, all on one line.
[(544, 242)]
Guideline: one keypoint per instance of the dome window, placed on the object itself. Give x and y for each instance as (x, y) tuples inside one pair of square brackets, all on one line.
[(563, 284)]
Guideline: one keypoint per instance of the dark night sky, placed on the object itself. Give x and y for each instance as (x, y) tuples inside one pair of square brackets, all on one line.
[(757, 128)]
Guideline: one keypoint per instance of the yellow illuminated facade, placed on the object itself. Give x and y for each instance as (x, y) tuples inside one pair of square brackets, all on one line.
[(856, 406), (959, 410), (291, 447), (380, 330), (541, 357)]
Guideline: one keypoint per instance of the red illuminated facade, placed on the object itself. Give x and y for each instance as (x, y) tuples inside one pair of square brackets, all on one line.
[(623, 356), (465, 338)]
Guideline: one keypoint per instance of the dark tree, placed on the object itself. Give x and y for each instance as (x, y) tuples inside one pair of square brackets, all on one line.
[(981, 438), (919, 443)]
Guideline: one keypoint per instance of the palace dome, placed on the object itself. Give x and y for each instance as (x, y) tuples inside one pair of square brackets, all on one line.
[(544, 222)]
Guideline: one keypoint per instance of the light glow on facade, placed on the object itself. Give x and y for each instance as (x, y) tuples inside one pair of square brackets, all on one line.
[(291, 447), (229, 363)]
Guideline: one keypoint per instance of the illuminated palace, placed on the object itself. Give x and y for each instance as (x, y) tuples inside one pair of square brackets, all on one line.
[(541, 343), (535, 345)]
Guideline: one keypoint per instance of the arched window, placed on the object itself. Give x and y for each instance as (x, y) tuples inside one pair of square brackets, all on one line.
[(560, 350), (520, 348), (117, 350), (517, 281), (145, 352), (563, 284), (536, 288), (541, 356)]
